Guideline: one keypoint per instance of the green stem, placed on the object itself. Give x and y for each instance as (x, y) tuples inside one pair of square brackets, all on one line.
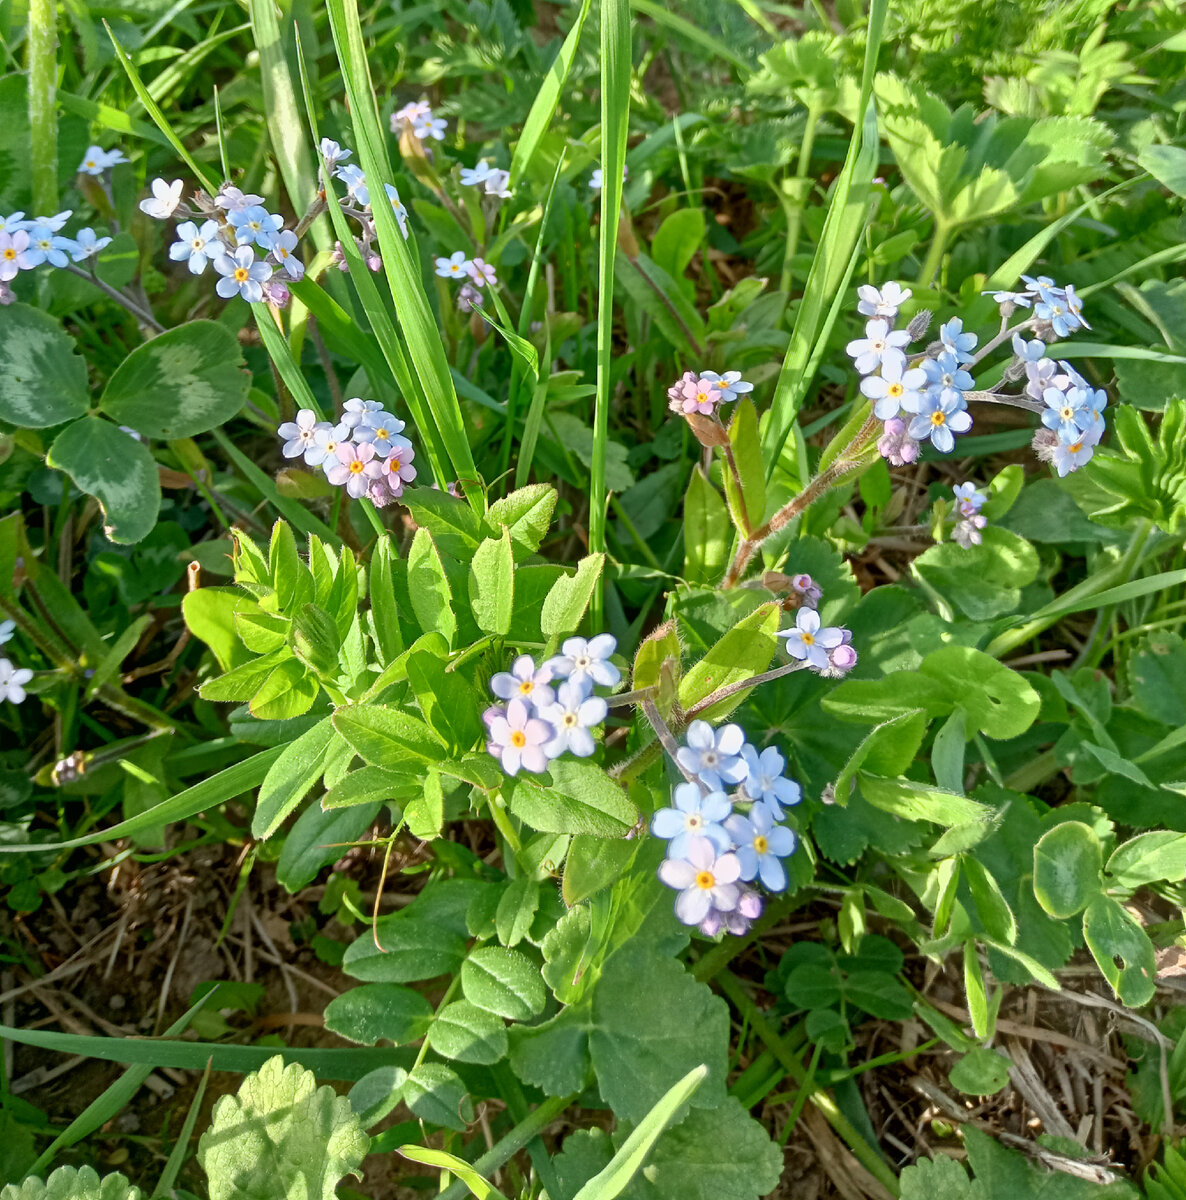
[(930, 268), (793, 206), (43, 73), (866, 1154), (510, 1145)]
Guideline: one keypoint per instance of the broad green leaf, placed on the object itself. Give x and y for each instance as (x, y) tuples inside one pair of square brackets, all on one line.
[(181, 383), (886, 750), (319, 838), (527, 514), (743, 652), (554, 1056), (1157, 676), (116, 469), (428, 588), (998, 701), (594, 863), (281, 1134), (45, 379), (1067, 864), (918, 802), (565, 604), (455, 527), (516, 910), (491, 584), (981, 1072), (504, 982), (377, 1093), (436, 1094), (210, 615), (982, 581), (938, 1178), (677, 240), (1147, 858), (865, 701), (71, 1183), (450, 703), (291, 776), (749, 506), (991, 906), (581, 799), (370, 785), (707, 531), (374, 1011), (466, 1033), (287, 692), (567, 951), (403, 948), (1167, 164), (1122, 949), (387, 737)]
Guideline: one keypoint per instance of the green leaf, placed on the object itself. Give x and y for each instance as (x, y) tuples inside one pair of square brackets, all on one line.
[(581, 799), (1122, 949), (288, 691), (643, 1039), (387, 737), (707, 531), (567, 599), (748, 507), (45, 379), (281, 1134), (1147, 858), (504, 982), (116, 469), (677, 240), (370, 785), (403, 948), (436, 1094), (743, 652), (527, 514), (516, 910), (983, 581), (887, 749), (1067, 864), (450, 703), (455, 527), (1157, 677), (183, 382), (491, 584), (991, 907), (466, 1033), (1167, 164), (939, 1178), (918, 802), (981, 1072), (70, 1183), (291, 776), (594, 863), (479, 1188), (999, 702), (379, 1010), (428, 588), (319, 838)]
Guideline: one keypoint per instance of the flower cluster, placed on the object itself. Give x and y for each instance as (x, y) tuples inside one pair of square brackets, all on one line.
[(494, 181), (1073, 417), (12, 679), (719, 843), (28, 243), (701, 391), (826, 649), (476, 271), (357, 202), (968, 502), (418, 118), (540, 722), (364, 451)]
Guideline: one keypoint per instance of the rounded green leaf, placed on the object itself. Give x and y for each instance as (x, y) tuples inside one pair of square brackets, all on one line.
[(182, 383), (467, 1033), (44, 378), (981, 1072), (1067, 864), (407, 949), (1122, 950), (503, 982), (116, 469), (436, 1094), (379, 1010)]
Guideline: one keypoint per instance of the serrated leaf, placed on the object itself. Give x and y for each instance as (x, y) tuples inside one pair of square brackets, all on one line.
[(281, 1135), (69, 1183), (183, 382)]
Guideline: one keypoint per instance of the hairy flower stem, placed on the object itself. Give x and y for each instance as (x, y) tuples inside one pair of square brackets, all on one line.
[(743, 685), (141, 314), (849, 459), (667, 739)]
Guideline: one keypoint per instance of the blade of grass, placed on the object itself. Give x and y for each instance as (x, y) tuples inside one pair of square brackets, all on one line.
[(111, 1102), (842, 229), (164, 1187), (544, 105), (153, 109), (347, 1065), (616, 69), (42, 65), (694, 34), (426, 350)]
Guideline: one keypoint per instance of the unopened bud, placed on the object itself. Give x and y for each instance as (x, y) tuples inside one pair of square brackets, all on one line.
[(919, 324), (708, 430), (276, 293), (1044, 443)]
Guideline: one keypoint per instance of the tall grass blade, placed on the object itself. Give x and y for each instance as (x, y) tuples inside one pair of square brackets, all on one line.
[(616, 68), (164, 1186)]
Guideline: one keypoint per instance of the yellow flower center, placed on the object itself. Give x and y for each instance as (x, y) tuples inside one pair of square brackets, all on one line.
[(570, 719), (761, 845), (705, 880), (808, 639), (1075, 447), (895, 390), (357, 466), (526, 687), (10, 253), (381, 434), (1066, 413), (701, 397), (938, 418), (241, 274), (198, 243), (394, 465), (518, 739)]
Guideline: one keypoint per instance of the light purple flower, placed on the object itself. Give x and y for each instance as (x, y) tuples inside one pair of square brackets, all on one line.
[(896, 445), (879, 346), (429, 127), (895, 389), (397, 467), (14, 254), (738, 920), (693, 815), (970, 499), (760, 845), (456, 266), (706, 881), (940, 418), (356, 468), (714, 755), (517, 739), (482, 273), (587, 661), (242, 274), (232, 199), (468, 298), (882, 302), (809, 591), (417, 110), (807, 642), (497, 183), (525, 682), (572, 716), (730, 385), (299, 435), (12, 681), (281, 246), (841, 660), (197, 245), (966, 532), (765, 782), (695, 394)]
